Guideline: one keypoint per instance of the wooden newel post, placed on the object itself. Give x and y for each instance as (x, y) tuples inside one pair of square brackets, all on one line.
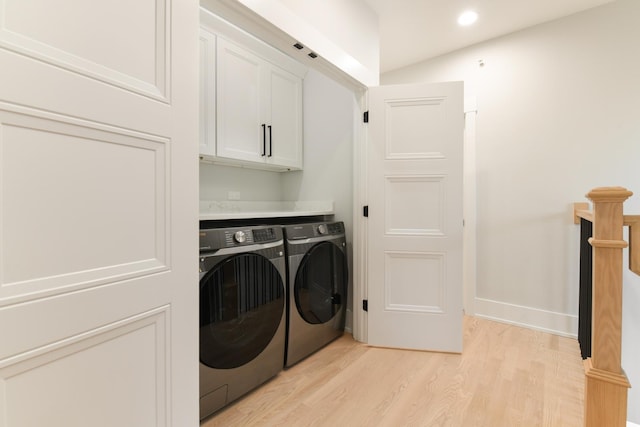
[(606, 383)]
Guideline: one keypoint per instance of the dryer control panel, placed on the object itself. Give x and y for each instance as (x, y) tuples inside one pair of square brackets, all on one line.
[(307, 231)]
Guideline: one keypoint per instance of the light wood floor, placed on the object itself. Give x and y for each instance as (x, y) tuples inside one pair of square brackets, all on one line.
[(507, 376)]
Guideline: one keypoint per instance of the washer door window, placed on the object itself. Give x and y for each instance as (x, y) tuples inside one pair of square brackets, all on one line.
[(321, 283), (241, 306)]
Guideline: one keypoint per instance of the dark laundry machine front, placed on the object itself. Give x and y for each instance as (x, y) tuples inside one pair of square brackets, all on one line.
[(242, 311), (317, 287)]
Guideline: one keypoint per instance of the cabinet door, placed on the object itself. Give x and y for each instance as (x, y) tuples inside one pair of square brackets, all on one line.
[(240, 112), (207, 93), (284, 147)]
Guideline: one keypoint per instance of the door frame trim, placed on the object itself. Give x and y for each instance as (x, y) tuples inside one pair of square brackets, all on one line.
[(360, 240), (469, 207)]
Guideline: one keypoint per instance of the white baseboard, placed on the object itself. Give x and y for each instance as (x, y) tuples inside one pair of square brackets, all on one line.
[(630, 424), (528, 317)]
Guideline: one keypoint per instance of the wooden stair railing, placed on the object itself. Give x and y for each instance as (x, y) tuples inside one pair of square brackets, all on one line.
[(606, 383)]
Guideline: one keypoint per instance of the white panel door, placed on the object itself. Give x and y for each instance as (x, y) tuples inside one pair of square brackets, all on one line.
[(98, 213), (415, 216)]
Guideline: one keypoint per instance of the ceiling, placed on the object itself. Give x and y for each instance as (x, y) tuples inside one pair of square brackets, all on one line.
[(414, 30)]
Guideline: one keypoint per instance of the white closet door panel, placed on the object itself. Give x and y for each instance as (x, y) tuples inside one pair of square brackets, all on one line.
[(98, 213), (58, 384), (415, 129), (417, 279), (96, 190), (95, 39), (421, 215)]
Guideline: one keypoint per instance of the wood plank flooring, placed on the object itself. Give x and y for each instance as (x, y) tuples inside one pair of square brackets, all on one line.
[(506, 376)]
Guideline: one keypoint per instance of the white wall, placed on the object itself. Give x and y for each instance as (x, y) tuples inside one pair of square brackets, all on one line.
[(329, 110), (344, 32), (328, 146), (558, 114), (254, 185)]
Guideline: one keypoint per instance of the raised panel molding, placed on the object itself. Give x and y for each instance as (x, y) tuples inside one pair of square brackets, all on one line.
[(422, 117), (412, 216), (139, 64), (402, 270), (123, 364), (99, 171)]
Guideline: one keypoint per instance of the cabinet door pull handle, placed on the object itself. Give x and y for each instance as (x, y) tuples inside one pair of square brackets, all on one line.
[(264, 140), (270, 142)]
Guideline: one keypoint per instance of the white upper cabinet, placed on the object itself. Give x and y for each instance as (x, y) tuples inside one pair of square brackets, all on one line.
[(240, 95), (251, 103), (284, 117)]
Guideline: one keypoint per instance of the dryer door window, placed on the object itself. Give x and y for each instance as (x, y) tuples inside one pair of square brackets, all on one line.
[(321, 283), (241, 307)]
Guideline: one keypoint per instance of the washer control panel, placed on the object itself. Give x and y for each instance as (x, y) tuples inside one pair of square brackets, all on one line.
[(238, 237), (219, 238)]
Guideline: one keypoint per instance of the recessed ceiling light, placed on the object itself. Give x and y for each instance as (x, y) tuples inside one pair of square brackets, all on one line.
[(467, 18)]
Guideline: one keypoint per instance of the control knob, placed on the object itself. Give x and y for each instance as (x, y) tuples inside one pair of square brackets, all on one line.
[(322, 229), (240, 236)]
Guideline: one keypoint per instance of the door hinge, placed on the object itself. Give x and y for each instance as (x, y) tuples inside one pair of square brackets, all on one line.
[(365, 117), (365, 305), (365, 211)]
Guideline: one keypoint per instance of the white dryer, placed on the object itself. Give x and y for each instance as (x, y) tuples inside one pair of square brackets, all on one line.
[(317, 292)]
